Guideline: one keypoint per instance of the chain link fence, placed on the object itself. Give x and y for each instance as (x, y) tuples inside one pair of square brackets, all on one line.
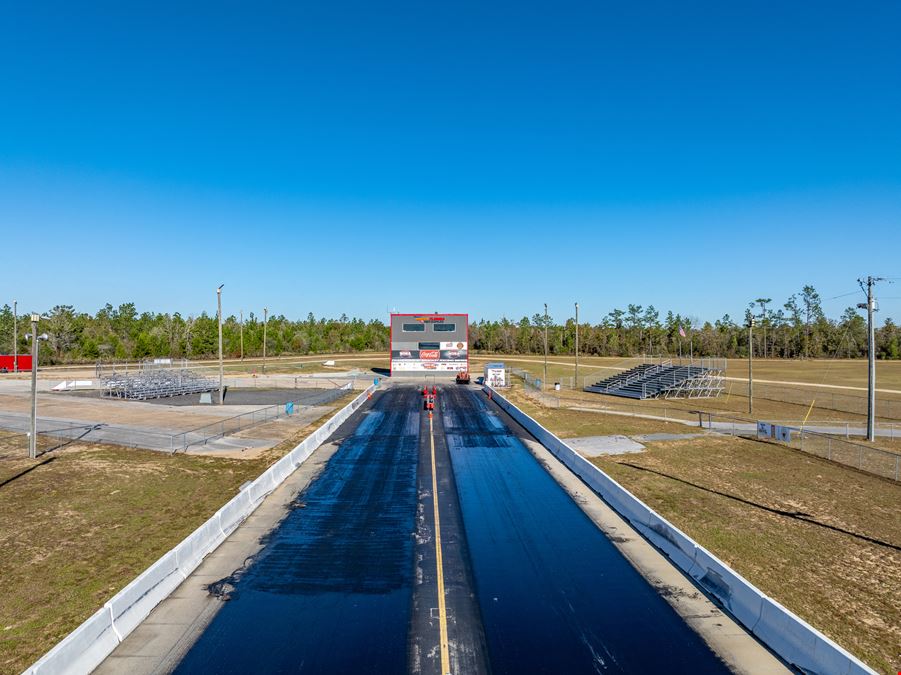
[(878, 461), (52, 434), (829, 440)]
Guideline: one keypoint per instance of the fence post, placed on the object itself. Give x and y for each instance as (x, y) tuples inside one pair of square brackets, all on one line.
[(829, 448), (847, 430), (897, 466)]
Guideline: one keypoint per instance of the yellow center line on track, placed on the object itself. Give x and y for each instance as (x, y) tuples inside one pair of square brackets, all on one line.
[(442, 613)]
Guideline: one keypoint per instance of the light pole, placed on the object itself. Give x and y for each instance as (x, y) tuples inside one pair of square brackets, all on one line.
[(763, 302), (545, 347), (35, 339), (242, 334), (219, 304), (15, 338), (750, 365), (576, 382), (265, 323)]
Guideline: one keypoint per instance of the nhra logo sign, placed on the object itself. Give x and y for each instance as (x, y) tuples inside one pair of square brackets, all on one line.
[(429, 354)]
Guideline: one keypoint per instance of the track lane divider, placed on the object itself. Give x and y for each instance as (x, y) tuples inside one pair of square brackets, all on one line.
[(442, 610)]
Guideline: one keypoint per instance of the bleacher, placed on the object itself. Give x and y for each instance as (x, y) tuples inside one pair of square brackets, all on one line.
[(159, 383), (648, 380)]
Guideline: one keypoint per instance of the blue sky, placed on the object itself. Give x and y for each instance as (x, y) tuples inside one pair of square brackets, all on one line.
[(352, 157)]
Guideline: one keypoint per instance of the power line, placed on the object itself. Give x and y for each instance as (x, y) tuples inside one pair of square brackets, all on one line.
[(843, 295)]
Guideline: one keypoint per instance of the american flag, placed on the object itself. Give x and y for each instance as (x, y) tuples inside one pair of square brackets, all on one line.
[(681, 331)]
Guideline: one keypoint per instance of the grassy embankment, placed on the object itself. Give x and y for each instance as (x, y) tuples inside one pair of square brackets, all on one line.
[(79, 523)]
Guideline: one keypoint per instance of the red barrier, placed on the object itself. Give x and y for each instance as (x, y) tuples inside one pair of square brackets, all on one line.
[(7, 361)]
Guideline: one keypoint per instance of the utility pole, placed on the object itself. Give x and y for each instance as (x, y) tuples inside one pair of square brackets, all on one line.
[(544, 382), (265, 323), (870, 306), (576, 381), (750, 364), (219, 303), (15, 338), (242, 334)]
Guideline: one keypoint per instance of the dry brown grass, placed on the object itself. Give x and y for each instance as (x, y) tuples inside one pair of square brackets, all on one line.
[(574, 423), (822, 539), (77, 524)]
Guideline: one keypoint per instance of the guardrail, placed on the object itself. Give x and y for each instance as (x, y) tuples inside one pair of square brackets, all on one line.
[(88, 645), (793, 639)]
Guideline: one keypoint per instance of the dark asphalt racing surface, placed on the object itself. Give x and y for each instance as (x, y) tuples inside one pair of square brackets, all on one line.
[(331, 592), (555, 594), (347, 582)]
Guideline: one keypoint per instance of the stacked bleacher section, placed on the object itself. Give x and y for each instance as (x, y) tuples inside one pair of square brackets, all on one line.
[(156, 383), (665, 380)]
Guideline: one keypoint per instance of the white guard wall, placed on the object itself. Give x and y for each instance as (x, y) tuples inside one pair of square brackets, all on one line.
[(789, 636), (88, 645)]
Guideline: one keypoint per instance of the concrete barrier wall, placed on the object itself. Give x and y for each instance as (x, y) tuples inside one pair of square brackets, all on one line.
[(88, 645), (789, 636)]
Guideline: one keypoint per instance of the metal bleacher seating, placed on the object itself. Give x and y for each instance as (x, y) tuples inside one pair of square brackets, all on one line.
[(648, 380), (159, 383)]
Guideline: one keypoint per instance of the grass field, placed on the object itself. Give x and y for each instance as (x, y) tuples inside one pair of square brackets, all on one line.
[(837, 372), (78, 524), (813, 404), (572, 423), (823, 540)]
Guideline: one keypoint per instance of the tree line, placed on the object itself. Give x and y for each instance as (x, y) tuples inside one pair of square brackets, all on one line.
[(121, 333), (799, 328)]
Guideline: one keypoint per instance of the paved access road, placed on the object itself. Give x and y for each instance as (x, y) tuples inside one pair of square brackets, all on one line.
[(502, 572)]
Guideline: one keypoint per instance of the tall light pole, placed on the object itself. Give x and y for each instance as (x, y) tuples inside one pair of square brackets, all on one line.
[(870, 306), (242, 334), (763, 302), (750, 364), (15, 338), (545, 347), (265, 323), (576, 382), (35, 339), (219, 303)]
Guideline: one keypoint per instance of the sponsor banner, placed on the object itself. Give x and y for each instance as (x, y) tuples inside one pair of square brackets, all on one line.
[(429, 354), (453, 354), (405, 354), (409, 365), (454, 344)]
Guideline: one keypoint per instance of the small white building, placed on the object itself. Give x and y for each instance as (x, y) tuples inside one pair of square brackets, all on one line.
[(495, 374)]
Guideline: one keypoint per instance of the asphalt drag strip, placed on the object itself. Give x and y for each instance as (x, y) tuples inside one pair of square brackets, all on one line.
[(555, 595), (456, 620), (331, 592)]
